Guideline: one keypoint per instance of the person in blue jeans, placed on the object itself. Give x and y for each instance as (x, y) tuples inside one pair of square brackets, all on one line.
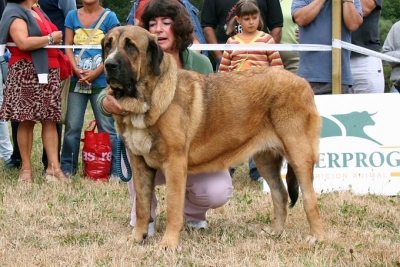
[(6, 148), (86, 84), (193, 12)]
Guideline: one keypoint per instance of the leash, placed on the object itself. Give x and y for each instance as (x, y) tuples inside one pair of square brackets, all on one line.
[(121, 153)]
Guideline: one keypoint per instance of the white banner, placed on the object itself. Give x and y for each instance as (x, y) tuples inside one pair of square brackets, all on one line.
[(359, 145)]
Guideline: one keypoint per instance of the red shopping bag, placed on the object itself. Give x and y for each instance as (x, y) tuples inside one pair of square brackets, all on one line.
[(96, 153)]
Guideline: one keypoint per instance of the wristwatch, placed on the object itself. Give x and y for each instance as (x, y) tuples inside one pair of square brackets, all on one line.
[(350, 1), (51, 40)]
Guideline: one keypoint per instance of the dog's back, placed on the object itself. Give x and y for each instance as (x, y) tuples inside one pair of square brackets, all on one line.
[(246, 112)]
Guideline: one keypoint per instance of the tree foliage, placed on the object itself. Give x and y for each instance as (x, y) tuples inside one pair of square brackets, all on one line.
[(120, 7), (390, 12)]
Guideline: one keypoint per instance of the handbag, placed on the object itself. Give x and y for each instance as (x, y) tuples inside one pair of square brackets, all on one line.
[(96, 153), (65, 66), (63, 60)]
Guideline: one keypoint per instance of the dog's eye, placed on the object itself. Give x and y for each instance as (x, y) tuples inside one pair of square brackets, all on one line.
[(129, 46), (107, 45)]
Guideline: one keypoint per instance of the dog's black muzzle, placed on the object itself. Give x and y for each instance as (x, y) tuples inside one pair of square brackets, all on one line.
[(117, 77), (112, 66)]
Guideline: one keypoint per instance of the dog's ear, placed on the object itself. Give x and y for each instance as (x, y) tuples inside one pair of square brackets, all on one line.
[(102, 48), (156, 55)]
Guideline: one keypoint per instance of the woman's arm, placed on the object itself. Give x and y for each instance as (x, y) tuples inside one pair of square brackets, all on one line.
[(19, 34)]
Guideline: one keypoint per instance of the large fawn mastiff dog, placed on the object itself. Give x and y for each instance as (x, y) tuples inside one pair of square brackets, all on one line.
[(182, 122)]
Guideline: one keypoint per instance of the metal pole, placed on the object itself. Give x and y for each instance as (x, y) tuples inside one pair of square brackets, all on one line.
[(336, 52)]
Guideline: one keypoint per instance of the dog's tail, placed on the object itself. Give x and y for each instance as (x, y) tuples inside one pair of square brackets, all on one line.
[(292, 186)]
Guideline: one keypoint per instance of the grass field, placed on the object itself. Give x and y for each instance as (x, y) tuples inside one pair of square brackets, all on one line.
[(86, 223)]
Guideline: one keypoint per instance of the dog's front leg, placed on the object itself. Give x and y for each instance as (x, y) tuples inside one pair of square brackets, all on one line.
[(143, 178), (175, 174)]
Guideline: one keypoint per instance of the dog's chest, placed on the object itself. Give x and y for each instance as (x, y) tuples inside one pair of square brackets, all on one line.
[(135, 134), (138, 141)]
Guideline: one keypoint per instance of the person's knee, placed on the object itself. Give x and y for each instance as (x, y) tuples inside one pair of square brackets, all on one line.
[(106, 124), (210, 195), (218, 198)]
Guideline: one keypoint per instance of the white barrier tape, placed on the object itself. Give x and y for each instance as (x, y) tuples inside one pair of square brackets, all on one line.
[(67, 46), (336, 43), (263, 47), (223, 47), (368, 52)]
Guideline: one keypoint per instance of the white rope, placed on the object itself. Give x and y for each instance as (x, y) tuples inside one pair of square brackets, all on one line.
[(263, 47), (368, 52)]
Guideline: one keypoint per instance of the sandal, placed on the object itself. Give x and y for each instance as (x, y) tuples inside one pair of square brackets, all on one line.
[(56, 175), (25, 176)]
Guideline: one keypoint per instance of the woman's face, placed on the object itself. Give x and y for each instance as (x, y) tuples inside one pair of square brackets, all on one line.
[(161, 26)]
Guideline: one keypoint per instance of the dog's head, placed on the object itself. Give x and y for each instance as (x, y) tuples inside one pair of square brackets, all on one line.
[(130, 54)]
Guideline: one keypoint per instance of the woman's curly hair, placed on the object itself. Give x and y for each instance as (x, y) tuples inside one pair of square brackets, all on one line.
[(182, 26)]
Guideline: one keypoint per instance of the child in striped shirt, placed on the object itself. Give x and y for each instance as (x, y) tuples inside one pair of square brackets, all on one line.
[(248, 17)]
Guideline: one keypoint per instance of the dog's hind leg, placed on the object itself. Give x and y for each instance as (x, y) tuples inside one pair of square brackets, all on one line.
[(143, 178), (302, 156), (269, 165)]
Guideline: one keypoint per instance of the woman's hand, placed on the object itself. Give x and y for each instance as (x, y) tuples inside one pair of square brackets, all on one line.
[(86, 76), (57, 37), (111, 105)]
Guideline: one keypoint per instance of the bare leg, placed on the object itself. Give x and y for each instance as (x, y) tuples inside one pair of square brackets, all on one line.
[(50, 143), (25, 140)]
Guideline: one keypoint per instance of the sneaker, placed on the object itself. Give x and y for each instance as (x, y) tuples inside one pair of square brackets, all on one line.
[(258, 179), (68, 174), (11, 165), (197, 225)]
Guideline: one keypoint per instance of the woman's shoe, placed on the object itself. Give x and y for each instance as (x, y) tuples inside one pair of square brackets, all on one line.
[(25, 176), (56, 175)]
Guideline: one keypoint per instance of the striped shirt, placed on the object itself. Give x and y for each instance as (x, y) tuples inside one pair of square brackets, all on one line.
[(239, 60)]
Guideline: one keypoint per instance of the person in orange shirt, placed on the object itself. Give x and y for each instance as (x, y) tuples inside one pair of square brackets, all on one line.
[(247, 14)]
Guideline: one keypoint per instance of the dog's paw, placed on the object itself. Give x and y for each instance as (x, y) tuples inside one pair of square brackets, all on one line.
[(312, 240), (168, 244), (273, 232), (131, 239), (136, 238)]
